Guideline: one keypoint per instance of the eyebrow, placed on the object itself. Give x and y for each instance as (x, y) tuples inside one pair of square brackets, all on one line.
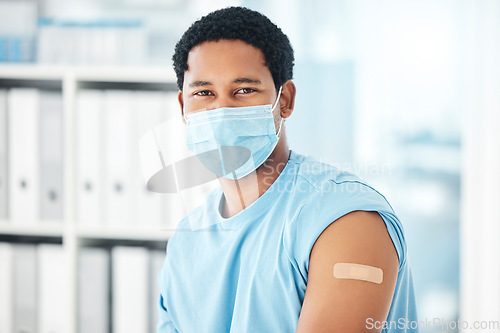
[(246, 80), (201, 83)]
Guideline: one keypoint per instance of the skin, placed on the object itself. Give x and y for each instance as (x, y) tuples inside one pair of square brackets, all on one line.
[(343, 305), (232, 73)]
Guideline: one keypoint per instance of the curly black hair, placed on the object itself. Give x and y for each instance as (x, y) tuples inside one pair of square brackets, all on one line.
[(242, 24)]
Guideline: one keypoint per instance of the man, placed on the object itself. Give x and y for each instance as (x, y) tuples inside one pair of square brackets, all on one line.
[(286, 243)]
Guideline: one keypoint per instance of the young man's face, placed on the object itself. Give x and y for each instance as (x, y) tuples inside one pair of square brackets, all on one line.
[(226, 73)]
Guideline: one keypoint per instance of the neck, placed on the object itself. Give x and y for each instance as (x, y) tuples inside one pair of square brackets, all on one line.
[(240, 193)]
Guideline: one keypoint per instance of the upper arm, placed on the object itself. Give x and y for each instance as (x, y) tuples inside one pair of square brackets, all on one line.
[(344, 305), (164, 324)]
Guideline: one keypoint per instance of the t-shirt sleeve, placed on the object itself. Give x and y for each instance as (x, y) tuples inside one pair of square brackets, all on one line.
[(329, 203), (165, 324)]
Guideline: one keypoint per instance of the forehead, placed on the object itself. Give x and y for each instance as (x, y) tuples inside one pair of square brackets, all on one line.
[(225, 60)]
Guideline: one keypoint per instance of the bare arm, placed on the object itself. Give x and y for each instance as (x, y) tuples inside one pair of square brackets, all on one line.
[(343, 305)]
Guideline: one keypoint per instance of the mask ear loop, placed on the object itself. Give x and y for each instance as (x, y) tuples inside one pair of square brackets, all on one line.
[(279, 129), (277, 99), (274, 106), (184, 116)]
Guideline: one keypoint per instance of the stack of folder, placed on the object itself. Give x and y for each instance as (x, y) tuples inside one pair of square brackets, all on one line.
[(117, 286), (32, 146), (117, 289), (110, 187)]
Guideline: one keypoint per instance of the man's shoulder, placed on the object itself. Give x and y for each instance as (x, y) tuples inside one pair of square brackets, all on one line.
[(322, 175), (324, 193), (322, 186)]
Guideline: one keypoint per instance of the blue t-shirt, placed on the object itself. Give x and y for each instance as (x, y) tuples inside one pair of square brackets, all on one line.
[(248, 273)]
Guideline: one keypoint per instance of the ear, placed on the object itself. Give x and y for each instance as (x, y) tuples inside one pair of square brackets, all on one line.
[(287, 99), (180, 99)]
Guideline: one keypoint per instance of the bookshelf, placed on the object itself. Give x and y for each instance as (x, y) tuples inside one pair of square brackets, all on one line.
[(72, 236)]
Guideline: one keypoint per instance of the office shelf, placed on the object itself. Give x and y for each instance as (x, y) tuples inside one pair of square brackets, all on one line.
[(69, 79), (88, 73), (34, 228), (32, 72), (140, 234)]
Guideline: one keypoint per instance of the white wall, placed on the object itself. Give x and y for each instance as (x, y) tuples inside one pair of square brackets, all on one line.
[(480, 225)]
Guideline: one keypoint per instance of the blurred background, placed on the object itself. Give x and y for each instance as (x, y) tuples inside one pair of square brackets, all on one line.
[(403, 93)]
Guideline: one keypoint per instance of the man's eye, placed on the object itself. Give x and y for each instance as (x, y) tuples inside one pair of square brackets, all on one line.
[(203, 93), (245, 91)]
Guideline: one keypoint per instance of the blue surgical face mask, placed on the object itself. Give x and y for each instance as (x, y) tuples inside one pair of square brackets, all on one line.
[(233, 142)]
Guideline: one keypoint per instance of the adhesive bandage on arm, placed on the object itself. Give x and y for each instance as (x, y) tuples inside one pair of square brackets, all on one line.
[(358, 272)]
